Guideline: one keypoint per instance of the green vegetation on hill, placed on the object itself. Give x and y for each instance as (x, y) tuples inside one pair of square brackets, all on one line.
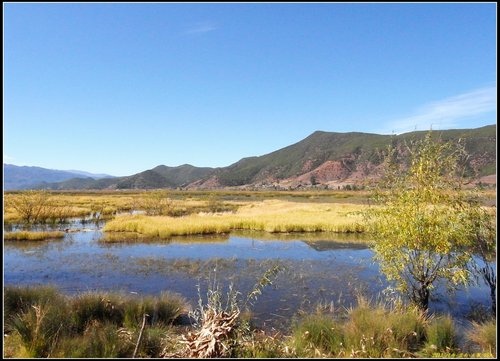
[(289, 162), (353, 151)]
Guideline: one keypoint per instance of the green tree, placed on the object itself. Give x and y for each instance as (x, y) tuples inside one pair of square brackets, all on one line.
[(424, 222)]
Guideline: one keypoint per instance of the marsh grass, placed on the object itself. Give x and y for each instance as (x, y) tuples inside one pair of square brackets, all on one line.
[(440, 335), (34, 207), (318, 335), (367, 330), (162, 310), (484, 336), (99, 340), (273, 216), (36, 316), (97, 307), (19, 300), (41, 322), (380, 331), (32, 236)]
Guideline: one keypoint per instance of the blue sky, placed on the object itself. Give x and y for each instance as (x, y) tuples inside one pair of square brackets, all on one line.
[(119, 88)]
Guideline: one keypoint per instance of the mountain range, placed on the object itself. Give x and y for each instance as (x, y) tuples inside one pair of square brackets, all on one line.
[(323, 159), (25, 177)]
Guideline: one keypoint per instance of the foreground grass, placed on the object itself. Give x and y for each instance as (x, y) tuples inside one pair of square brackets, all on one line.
[(32, 236), (41, 322), (275, 216)]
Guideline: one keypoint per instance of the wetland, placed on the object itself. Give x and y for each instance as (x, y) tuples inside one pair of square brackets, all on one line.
[(319, 270)]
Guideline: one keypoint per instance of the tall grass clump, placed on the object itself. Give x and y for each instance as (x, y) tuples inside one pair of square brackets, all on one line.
[(99, 340), (378, 331), (440, 335), (100, 307), (41, 322), (40, 327), (19, 300), (219, 329), (367, 330), (484, 336), (162, 310), (318, 336)]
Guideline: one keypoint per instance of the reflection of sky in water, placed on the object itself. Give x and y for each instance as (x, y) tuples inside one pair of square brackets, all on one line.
[(314, 270)]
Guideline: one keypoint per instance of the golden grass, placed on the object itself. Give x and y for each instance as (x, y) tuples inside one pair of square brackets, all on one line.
[(273, 216), (32, 236)]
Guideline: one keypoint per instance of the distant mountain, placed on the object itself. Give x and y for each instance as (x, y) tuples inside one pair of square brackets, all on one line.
[(91, 175), (24, 177), (158, 177), (325, 159)]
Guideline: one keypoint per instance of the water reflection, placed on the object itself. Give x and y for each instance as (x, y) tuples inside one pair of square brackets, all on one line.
[(316, 268)]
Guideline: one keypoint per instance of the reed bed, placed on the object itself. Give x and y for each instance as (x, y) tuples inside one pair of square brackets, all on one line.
[(32, 236), (60, 206), (274, 216)]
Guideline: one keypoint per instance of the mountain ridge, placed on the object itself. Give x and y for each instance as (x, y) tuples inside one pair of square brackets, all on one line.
[(327, 159), (24, 177)]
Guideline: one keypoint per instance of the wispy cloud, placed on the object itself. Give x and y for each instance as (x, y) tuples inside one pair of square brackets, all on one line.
[(8, 158), (447, 113), (200, 28)]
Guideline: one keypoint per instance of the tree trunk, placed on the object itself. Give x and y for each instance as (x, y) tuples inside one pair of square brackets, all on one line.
[(423, 297), (493, 299), (490, 278)]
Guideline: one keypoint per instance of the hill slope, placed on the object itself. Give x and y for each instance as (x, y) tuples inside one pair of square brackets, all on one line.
[(328, 158), (323, 158)]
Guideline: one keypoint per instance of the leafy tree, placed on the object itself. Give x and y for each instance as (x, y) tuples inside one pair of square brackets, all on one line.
[(425, 223)]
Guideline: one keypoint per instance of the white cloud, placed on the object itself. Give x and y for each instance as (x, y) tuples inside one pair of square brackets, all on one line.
[(446, 113), (201, 28)]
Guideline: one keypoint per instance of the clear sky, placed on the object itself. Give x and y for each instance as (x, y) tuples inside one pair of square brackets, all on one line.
[(119, 88)]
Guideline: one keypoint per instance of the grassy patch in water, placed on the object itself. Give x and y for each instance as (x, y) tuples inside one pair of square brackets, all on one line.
[(32, 236), (274, 216)]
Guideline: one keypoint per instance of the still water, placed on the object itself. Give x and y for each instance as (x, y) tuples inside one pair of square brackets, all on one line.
[(319, 270)]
